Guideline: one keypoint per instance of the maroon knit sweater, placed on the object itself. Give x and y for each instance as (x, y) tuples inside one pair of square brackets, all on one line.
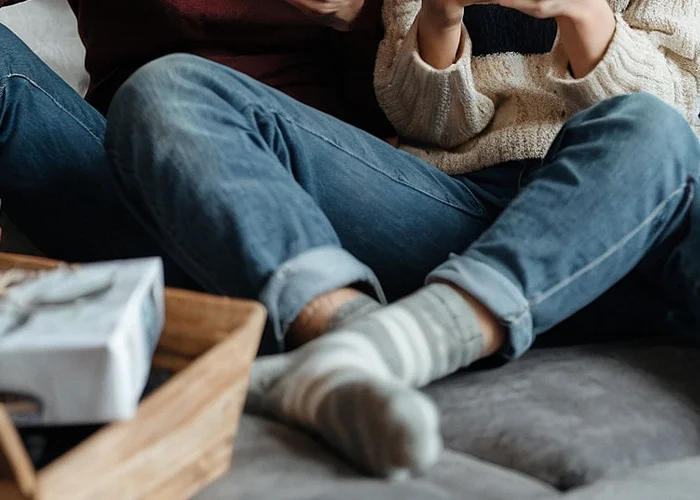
[(267, 39)]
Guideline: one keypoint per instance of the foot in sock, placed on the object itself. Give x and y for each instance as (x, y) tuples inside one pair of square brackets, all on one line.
[(347, 397), (353, 387)]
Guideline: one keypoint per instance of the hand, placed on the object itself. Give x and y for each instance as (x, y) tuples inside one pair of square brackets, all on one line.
[(453, 10), (338, 14), (547, 9), (586, 27)]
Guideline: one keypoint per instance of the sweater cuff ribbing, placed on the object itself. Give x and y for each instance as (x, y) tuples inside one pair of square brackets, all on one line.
[(631, 64), (426, 104), (411, 55)]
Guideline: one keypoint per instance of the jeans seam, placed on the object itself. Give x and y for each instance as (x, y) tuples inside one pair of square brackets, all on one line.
[(3, 87), (540, 297), (284, 116)]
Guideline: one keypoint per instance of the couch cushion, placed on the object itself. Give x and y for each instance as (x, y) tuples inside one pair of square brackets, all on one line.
[(50, 29), (564, 416), (570, 416), (273, 461), (671, 481)]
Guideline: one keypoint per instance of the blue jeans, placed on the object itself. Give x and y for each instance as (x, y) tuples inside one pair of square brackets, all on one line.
[(55, 183), (257, 195)]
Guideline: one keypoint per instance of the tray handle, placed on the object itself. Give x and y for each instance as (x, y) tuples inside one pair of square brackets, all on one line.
[(17, 475)]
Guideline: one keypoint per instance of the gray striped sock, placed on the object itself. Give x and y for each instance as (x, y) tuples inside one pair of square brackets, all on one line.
[(354, 387), (426, 336), (342, 391), (353, 309)]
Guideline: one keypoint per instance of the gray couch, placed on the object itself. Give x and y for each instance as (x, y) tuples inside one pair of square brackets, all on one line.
[(604, 422), (592, 422)]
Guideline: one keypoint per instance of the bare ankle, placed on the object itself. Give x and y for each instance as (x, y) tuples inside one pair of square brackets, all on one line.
[(494, 332), (313, 320)]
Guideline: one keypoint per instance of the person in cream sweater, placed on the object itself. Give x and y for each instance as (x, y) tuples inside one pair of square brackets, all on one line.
[(508, 99), (561, 138)]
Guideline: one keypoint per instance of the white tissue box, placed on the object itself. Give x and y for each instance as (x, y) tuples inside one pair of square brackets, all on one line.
[(84, 361)]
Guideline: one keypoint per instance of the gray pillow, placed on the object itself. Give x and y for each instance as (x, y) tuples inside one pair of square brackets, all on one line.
[(275, 462), (572, 416)]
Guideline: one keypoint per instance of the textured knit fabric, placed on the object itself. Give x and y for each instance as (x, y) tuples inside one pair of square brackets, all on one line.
[(492, 107)]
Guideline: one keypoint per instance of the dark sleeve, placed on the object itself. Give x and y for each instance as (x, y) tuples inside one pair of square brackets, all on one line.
[(5, 3), (358, 52)]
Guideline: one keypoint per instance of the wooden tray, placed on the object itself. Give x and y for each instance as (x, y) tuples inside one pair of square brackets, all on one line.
[(182, 436)]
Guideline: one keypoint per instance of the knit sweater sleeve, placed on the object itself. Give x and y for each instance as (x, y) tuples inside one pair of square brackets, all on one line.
[(655, 49), (424, 104)]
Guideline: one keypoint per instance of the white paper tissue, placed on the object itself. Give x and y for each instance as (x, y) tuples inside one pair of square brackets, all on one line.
[(78, 343)]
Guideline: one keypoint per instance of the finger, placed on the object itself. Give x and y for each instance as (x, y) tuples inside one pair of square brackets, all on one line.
[(319, 5)]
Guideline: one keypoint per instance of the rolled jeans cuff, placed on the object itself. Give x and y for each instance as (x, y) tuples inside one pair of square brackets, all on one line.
[(494, 291), (305, 277)]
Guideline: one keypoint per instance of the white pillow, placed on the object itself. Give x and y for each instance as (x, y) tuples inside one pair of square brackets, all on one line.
[(50, 29)]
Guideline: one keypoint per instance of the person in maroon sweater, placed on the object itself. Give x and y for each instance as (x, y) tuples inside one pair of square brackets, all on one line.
[(210, 109), (277, 42), (54, 181)]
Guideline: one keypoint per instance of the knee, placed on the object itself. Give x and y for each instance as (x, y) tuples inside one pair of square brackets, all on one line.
[(176, 81), (163, 100), (150, 107), (648, 114), (162, 76), (651, 143), (654, 132), (151, 93), (630, 147)]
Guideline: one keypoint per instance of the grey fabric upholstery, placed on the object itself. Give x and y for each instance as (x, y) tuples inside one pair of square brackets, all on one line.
[(581, 420), (671, 481), (571, 416), (275, 462)]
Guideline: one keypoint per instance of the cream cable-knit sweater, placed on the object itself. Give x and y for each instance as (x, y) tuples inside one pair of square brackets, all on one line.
[(483, 111)]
